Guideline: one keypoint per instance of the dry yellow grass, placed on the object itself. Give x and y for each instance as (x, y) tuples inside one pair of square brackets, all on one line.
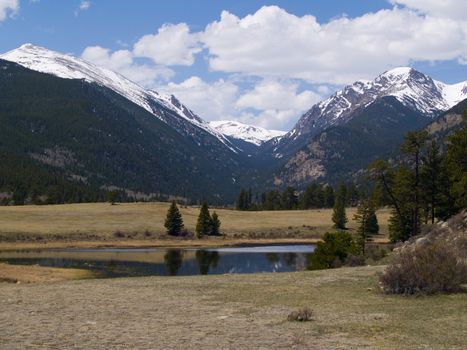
[(103, 220), (229, 312), (40, 274)]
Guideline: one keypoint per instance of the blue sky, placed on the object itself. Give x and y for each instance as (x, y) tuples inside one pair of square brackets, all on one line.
[(260, 62)]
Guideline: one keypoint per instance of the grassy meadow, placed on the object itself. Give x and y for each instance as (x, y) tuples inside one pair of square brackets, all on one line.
[(146, 220), (229, 312)]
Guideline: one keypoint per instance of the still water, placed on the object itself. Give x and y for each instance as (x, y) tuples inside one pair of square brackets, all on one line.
[(170, 262)]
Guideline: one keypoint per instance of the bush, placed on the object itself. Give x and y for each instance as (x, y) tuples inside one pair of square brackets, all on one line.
[(433, 267), (354, 260), (302, 315), (333, 250)]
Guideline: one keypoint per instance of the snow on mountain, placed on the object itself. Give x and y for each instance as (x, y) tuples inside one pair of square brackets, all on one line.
[(412, 88), (249, 133), (68, 67)]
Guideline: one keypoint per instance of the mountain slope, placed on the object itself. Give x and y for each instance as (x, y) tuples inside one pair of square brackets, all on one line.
[(448, 122), (413, 89), (87, 134), (341, 151), (165, 107)]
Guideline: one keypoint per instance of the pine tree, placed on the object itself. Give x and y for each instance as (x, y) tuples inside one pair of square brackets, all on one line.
[(456, 166), (174, 221), (372, 225), (289, 199), (328, 197), (215, 225), (367, 223), (203, 225), (431, 174), (339, 217), (412, 146)]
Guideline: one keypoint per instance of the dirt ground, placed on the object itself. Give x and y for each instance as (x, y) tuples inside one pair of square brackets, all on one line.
[(228, 312)]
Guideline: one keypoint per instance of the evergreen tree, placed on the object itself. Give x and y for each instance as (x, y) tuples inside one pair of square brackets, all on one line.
[(272, 200), (412, 146), (328, 197), (431, 174), (372, 224), (456, 166), (112, 197), (215, 225), (367, 223), (352, 195), (289, 199), (203, 225), (241, 201), (339, 217), (174, 221)]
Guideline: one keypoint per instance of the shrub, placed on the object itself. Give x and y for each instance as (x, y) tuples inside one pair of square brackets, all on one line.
[(302, 315), (354, 260), (429, 268), (333, 250)]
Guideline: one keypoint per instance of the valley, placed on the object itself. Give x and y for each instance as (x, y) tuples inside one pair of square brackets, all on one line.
[(119, 136)]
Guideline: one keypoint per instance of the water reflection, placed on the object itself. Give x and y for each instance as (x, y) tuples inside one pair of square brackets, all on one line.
[(173, 261), (170, 262)]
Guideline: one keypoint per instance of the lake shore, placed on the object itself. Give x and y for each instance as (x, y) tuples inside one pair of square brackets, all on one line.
[(213, 242)]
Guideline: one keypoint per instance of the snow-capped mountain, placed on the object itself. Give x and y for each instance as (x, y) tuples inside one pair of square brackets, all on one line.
[(413, 89), (248, 133), (65, 66)]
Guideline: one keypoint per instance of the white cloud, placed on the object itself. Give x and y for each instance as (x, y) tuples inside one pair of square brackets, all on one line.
[(8, 7), (274, 95), (122, 62), (456, 9), (172, 45), (271, 104), (274, 53), (211, 101), (83, 6), (272, 42)]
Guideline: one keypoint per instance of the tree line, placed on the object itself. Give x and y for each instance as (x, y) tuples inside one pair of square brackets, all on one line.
[(314, 196)]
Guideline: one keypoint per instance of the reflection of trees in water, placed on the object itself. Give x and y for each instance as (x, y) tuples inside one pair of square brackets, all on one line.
[(206, 259), (111, 265), (290, 259), (173, 261), (273, 258)]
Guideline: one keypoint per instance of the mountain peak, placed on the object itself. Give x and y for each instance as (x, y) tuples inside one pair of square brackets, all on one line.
[(399, 72), (69, 67), (412, 88), (248, 133)]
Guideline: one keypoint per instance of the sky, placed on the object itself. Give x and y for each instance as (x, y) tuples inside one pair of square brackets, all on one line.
[(258, 62)]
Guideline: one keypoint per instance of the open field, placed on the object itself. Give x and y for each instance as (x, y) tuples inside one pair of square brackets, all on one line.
[(143, 221), (228, 312)]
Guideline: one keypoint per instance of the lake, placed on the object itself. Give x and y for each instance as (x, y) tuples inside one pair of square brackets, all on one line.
[(169, 262)]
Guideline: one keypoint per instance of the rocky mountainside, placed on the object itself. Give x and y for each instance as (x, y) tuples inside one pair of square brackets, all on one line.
[(411, 88), (448, 122), (367, 120), (340, 152)]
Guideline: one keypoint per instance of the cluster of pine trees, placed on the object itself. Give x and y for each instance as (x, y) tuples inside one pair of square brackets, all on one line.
[(314, 196), (425, 184), (207, 224)]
